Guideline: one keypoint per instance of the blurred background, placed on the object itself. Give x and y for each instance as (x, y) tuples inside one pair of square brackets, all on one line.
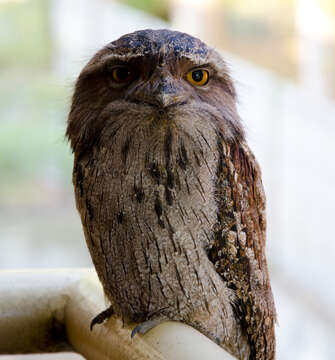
[(282, 57)]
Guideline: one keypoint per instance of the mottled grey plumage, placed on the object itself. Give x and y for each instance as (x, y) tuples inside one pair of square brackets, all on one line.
[(169, 194)]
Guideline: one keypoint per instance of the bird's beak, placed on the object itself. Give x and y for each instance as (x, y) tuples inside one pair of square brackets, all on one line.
[(167, 94)]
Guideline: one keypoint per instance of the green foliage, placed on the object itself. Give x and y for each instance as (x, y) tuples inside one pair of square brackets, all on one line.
[(157, 8), (32, 145), (33, 105), (24, 34)]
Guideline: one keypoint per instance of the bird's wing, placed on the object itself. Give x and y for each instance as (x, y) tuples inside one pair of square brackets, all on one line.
[(238, 248)]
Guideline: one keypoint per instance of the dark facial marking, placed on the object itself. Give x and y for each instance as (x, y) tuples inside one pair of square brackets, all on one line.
[(182, 159), (168, 196), (120, 217), (125, 149), (139, 194), (170, 179), (167, 145)]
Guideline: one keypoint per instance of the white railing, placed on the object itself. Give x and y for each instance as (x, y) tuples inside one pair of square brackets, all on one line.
[(43, 311)]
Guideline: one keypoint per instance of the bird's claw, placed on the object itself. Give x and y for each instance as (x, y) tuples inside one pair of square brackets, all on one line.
[(100, 318), (147, 325)]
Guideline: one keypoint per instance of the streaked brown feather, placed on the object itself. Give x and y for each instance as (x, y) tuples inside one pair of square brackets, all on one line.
[(238, 247)]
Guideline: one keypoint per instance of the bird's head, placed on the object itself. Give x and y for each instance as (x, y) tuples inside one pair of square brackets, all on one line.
[(150, 82)]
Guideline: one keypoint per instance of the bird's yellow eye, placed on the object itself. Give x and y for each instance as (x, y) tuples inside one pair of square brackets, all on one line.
[(121, 74), (198, 77)]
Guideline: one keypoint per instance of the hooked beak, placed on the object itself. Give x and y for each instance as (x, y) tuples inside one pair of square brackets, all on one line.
[(166, 94)]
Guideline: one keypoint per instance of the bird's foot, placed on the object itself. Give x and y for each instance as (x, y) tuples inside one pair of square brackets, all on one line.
[(148, 325), (100, 318)]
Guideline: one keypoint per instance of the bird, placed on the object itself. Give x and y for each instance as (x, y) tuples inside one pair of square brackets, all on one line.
[(169, 193)]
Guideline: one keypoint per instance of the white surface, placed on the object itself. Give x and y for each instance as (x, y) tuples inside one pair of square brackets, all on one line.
[(73, 297)]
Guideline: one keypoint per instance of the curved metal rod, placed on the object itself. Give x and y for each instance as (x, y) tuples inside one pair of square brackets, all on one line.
[(51, 310)]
